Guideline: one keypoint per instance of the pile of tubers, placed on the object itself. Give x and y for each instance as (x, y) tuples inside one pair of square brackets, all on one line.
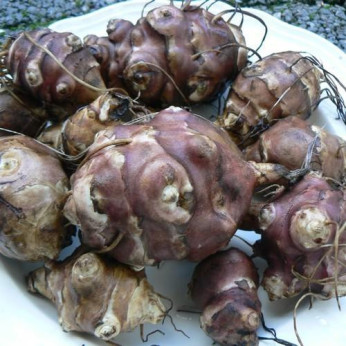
[(99, 147)]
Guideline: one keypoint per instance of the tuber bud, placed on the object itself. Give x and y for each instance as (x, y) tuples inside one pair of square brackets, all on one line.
[(100, 297), (224, 286)]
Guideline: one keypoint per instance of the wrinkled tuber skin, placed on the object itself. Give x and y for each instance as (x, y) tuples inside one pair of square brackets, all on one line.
[(289, 142), (20, 113), (77, 132), (298, 233), (224, 286), (279, 85), (34, 71), (172, 56), (33, 190), (173, 188), (100, 297)]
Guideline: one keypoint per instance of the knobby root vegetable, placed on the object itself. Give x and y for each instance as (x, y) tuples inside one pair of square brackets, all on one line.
[(302, 239), (33, 190), (75, 134), (171, 56), (224, 286), (294, 143), (171, 188), (20, 113), (275, 87), (97, 296), (54, 68)]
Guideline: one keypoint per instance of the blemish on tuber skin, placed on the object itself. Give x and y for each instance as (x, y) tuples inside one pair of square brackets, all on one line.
[(33, 190), (299, 239), (97, 296), (224, 286)]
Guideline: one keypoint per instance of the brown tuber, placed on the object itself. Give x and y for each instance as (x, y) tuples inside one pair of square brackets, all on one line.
[(224, 286), (55, 68), (302, 237), (294, 143), (279, 85), (171, 188), (97, 296), (172, 56), (33, 191), (75, 134), (20, 113)]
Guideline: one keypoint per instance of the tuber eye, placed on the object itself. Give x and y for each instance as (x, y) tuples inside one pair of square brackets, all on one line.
[(86, 268), (33, 75), (62, 89), (310, 228), (106, 332), (170, 194), (8, 164), (74, 42)]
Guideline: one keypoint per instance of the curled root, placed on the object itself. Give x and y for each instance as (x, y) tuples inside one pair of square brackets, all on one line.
[(236, 10), (273, 332), (146, 337), (219, 50), (167, 314), (333, 251), (332, 81)]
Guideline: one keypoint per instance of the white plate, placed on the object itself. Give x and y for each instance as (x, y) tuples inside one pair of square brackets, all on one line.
[(32, 321)]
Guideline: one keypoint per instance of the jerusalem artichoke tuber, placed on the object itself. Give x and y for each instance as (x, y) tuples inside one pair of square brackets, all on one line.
[(279, 85), (75, 134), (174, 187), (55, 68), (33, 191), (294, 143), (300, 236), (95, 295), (172, 56), (225, 286)]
